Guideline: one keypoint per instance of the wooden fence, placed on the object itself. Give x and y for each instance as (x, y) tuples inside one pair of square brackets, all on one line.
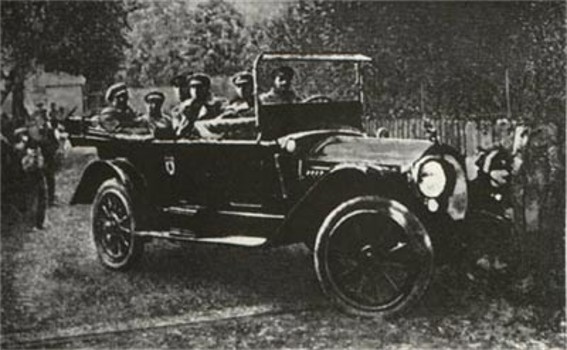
[(465, 135), (538, 188)]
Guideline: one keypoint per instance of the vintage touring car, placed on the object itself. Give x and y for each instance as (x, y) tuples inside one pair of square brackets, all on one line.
[(371, 209)]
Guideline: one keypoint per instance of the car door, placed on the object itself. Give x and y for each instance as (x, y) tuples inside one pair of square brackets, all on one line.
[(218, 173), (154, 162)]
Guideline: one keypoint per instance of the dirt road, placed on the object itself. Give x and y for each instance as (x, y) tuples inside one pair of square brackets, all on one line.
[(201, 296)]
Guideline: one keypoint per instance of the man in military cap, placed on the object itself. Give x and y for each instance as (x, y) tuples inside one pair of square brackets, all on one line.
[(201, 105), (119, 116), (43, 134), (158, 122), (181, 82), (244, 100), (281, 92), (237, 121), (30, 186), (39, 109)]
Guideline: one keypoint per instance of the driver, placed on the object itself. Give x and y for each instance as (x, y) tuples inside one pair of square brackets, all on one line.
[(281, 91)]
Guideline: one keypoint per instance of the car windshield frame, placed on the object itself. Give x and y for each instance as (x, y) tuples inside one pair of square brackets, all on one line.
[(356, 58)]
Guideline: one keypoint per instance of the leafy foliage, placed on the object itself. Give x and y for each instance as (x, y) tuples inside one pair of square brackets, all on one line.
[(169, 38), (78, 37), (441, 58)]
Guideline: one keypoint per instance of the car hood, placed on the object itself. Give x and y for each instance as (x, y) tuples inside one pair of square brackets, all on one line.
[(381, 151)]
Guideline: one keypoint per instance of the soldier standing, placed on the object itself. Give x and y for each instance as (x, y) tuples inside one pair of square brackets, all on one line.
[(41, 132), (53, 115), (31, 182)]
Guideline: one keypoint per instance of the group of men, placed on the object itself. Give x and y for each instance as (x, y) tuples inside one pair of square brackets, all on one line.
[(199, 114), (31, 152)]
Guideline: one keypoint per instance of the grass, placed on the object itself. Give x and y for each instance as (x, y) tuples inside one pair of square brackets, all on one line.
[(51, 279)]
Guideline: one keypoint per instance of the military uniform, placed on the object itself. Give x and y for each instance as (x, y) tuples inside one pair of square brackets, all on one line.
[(116, 119), (32, 187), (120, 118), (281, 95), (189, 111), (159, 123), (241, 106), (43, 134), (181, 81)]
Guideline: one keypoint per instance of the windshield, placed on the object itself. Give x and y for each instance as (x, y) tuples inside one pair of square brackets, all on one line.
[(291, 82), (303, 92)]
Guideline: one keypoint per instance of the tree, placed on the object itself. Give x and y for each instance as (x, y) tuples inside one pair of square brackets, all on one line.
[(78, 37), (456, 53), (169, 38)]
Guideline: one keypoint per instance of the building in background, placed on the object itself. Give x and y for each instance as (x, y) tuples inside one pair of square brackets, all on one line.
[(66, 90)]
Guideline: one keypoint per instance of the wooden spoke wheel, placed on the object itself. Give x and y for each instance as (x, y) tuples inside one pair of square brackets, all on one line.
[(373, 257), (113, 227)]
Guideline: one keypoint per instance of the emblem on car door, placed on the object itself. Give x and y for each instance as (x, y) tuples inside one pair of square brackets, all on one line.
[(169, 162)]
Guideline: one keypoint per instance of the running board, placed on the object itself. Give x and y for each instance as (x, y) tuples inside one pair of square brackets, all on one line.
[(241, 241), (193, 210)]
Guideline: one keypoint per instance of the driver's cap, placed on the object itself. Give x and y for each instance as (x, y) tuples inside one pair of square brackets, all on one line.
[(284, 71)]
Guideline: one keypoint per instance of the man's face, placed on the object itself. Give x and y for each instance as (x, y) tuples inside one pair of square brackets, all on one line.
[(121, 100), (183, 92), (244, 90), (154, 107), (282, 82), (198, 91), (40, 122)]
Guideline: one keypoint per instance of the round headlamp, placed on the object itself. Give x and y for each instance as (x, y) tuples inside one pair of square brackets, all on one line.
[(290, 145), (431, 179)]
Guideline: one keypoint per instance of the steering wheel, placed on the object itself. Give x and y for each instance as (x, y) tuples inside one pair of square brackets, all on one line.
[(317, 99)]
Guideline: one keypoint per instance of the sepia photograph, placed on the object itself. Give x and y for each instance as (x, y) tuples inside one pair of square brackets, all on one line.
[(283, 174)]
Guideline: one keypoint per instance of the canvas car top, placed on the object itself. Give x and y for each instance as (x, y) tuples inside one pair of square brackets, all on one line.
[(345, 57)]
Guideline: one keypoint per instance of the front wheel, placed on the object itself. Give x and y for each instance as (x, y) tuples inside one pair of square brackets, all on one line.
[(113, 227), (373, 257)]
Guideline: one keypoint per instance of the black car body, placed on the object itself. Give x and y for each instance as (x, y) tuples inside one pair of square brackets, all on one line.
[(371, 209)]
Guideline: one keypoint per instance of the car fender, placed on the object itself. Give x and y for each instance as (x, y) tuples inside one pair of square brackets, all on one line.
[(341, 183), (99, 171)]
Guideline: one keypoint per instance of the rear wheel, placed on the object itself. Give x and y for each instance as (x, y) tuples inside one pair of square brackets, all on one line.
[(373, 257), (113, 227)]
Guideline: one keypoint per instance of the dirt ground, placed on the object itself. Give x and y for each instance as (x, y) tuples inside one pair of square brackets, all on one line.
[(52, 282)]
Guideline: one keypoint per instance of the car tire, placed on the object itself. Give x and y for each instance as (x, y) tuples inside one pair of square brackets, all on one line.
[(367, 272), (113, 225)]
